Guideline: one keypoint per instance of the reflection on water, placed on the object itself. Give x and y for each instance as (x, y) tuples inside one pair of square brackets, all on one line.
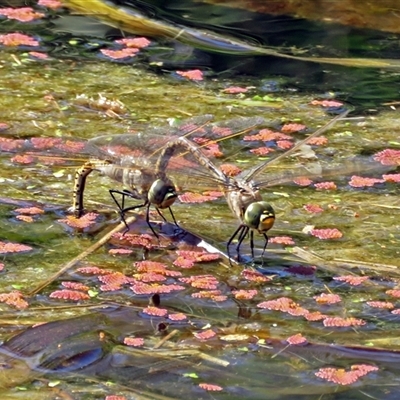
[(90, 347)]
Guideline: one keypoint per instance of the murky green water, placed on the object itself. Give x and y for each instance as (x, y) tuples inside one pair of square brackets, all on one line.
[(88, 354)]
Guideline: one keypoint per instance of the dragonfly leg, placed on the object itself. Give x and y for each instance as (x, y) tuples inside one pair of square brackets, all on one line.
[(265, 245), (173, 216), (252, 243), (239, 229), (121, 207), (242, 235), (148, 220), (161, 214)]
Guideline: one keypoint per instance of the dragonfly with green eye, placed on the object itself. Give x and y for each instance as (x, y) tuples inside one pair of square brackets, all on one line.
[(242, 192), (142, 162)]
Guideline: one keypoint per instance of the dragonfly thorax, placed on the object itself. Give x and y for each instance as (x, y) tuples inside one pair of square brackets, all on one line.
[(162, 194), (241, 197), (259, 216)]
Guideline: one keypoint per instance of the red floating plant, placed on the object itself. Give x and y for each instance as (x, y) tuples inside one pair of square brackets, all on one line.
[(315, 316), (29, 210), (326, 186), (313, 208), (318, 141), (262, 151), (94, 271), (206, 294), (221, 131), (134, 341), (210, 387), (53, 4), (359, 181), (204, 335), (287, 240), (2, 267), (80, 223), (213, 193), (342, 377), (145, 241), (150, 277), (343, 322), (193, 75), (325, 234), (7, 144), (71, 146), (18, 39), (23, 14), (25, 218), (284, 144), (297, 339), (155, 311), (115, 279), (393, 178), (13, 248), (235, 90), (137, 42), (38, 56), (120, 251), (327, 298), (284, 304), (326, 103), (388, 157), (381, 304), (351, 279), (120, 54), (267, 135), (198, 256), (243, 294), (393, 292), (293, 127), (185, 263), (141, 288), (115, 397), (190, 197), (230, 169), (75, 286), (155, 267), (208, 282), (177, 317), (14, 298), (302, 181), (254, 276), (67, 294)]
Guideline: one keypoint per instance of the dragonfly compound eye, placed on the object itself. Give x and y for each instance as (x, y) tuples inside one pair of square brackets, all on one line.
[(162, 194), (260, 216)]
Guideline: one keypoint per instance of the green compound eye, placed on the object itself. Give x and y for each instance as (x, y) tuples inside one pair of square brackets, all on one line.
[(161, 194), (259, 216)]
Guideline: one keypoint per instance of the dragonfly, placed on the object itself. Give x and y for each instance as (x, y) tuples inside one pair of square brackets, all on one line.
[(141, 161), (242, 192)]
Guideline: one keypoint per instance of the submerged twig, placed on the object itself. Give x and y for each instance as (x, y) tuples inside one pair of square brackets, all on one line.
[(91, 249), (165, 339), (336, 265)]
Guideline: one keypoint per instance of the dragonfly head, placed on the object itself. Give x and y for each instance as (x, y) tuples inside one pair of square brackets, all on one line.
[(162, 194), (260, 216)]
